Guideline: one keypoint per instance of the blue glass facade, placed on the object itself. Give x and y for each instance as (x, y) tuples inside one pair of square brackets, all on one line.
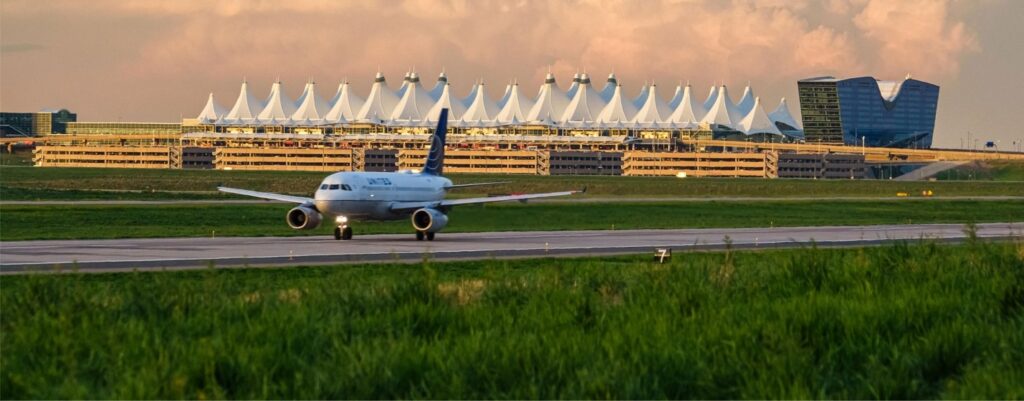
[(856, 108)]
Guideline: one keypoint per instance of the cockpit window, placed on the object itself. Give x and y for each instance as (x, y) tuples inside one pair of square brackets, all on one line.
[(345, 187), (323, 186), (334, 187)]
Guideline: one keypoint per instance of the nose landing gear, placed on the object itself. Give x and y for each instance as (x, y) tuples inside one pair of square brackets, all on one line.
[(343, 232)]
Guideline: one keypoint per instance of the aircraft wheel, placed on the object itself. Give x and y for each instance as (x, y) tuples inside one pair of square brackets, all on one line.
[(419, 235), (337, 233), (346, 233), (430, 236)]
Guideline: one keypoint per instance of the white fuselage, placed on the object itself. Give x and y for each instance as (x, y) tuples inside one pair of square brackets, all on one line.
[(368, 196)]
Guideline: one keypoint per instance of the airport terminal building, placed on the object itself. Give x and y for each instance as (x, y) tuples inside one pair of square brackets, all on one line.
[(867, 111)]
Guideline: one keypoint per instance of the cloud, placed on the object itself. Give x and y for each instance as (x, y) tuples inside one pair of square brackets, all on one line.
[(914, 36)]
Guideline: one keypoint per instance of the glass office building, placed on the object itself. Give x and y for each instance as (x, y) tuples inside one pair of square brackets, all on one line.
[(869, 111)]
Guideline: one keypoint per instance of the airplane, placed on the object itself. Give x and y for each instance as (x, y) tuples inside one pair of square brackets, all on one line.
[(346, 197)]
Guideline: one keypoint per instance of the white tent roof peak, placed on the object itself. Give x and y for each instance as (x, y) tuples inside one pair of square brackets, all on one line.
[(247, 107), (585, 105), (405, 84), (782, 115), (550, 104), (712, 97), (677, 97), (654, 110), (379, 103), (212, 111), (505, 96), (516, 107), (719, 112), (312, 106), (468, 100), (414, 104), (689, 109), (279, 107), (618, 109), (639, 100), (482, 109), (757, 121), (746, 102), (442, 80), (345, 106), (609, 88), (445, 101), (574, 86)]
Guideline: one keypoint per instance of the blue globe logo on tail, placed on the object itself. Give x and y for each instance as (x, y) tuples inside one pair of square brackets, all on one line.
[(435, 158)]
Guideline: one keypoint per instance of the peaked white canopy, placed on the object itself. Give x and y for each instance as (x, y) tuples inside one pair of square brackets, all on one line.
[(468, 100), (445, 101), (609, 88), (781, 115), (618, 110), (415, 103), (585, 105), (279, 107), (712, 97), (677, 97), (442, 81), (246, 108), (211, 112), (345, 105), (405, 85), (312, 106), (482, 109), (574, 86), (504, 97), (719, 113), (516, 107), (746, 102), (654, 110), (380, 103), (641, 98), (550, 104), (757, 121), (689, 110)]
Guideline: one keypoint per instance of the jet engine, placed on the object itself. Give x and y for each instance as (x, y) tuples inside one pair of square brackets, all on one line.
[(303, 218), (429, 220)]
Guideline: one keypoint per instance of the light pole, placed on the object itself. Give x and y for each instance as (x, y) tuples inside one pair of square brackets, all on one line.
[(863, 151)]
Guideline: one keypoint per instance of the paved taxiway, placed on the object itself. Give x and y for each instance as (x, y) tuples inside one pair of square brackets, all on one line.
[(183, 253), (575, 199)]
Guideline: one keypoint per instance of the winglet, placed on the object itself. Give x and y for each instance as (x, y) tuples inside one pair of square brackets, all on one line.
[(584, 190), (434, 165)]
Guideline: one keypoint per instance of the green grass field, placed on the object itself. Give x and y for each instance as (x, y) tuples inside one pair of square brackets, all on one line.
[(993, 170), (19, 183), (906, 321), (127, 221)]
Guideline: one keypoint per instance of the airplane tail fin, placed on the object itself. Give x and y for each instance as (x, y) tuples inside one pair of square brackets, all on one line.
[(434, 164)]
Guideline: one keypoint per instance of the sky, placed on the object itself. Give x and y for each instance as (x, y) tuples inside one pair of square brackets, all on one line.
[(158, 60)]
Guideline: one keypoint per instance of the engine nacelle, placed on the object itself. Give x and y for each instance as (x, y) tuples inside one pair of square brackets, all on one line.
[(429, 220), (303, 218)]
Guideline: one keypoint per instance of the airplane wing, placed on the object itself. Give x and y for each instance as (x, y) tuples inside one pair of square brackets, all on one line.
[(266, 195), (470, 201), (475, 184)]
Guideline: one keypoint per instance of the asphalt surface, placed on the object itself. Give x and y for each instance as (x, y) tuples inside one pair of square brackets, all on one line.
[(571, 199), (197, 253)]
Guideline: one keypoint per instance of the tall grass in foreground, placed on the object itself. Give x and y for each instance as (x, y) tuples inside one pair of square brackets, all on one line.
[(904, 321)]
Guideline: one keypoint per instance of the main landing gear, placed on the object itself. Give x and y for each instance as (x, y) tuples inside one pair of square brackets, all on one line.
[(421, 234), (343, 232)]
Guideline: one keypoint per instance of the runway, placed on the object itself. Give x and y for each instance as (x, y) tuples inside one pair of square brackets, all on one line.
[(195, 253)]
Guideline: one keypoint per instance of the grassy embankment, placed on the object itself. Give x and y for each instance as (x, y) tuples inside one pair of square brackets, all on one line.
[(128, 221), (84, 183), (992, 170), (904, 321)]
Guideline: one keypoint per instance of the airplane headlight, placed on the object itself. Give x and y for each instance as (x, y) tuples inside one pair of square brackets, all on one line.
[(341, 219)]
